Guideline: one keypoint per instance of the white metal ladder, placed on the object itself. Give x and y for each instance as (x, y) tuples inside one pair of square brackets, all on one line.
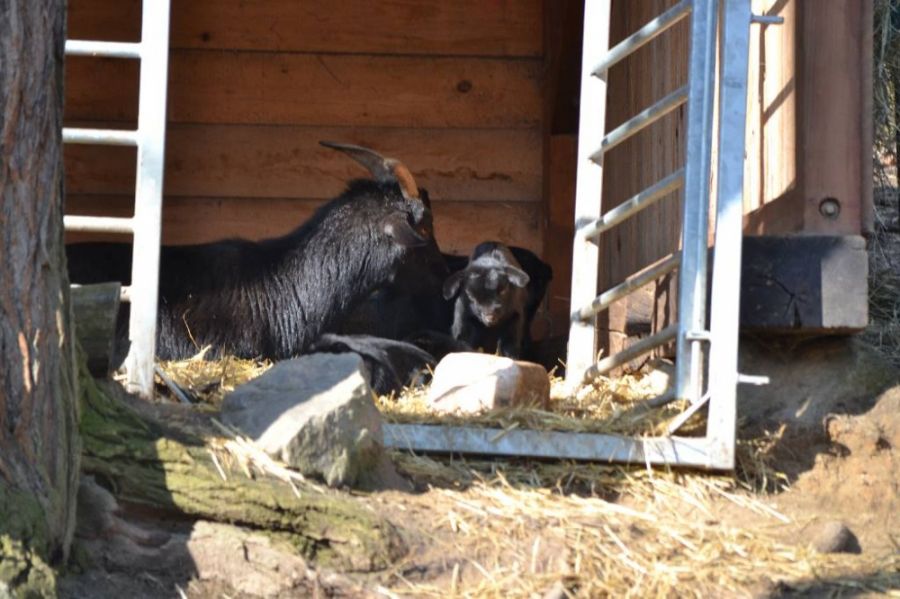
[(695, 341), (699, 347), (149, 138)]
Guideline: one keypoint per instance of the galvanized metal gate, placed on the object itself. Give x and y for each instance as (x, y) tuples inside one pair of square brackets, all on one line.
[(706, 354), (149, 138)]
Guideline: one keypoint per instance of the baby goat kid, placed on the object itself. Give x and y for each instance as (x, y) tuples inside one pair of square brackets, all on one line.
[(490, 301), (274, 298)]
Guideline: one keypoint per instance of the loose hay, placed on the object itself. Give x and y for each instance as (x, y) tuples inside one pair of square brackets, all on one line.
[(209, 381), (522, 528), (513, 533), (612, 406)]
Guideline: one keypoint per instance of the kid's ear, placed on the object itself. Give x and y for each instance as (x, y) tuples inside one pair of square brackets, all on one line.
[(516, 276), (451, 285)]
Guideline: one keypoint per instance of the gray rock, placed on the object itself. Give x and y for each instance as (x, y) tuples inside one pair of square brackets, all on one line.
[(314, 413), (835, 537)]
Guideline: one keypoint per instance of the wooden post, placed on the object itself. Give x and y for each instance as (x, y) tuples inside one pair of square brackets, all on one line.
[(96, 311)]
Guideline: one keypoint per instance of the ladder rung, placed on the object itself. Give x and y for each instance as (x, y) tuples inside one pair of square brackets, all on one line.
[(633, 351), (105, 49), (643, 36), (640, 121), (106, 137), (633, 205), (628, 286), (99, 224)]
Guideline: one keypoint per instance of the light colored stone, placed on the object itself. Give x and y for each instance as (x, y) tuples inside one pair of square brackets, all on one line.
[(834, 537), (469, 383), (314, 413), (251, 563)]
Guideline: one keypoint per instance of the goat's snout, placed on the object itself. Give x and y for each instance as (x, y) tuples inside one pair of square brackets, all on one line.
[(491, 316)]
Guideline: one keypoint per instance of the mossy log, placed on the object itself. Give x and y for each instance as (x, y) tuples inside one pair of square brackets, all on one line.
[(169, 466)]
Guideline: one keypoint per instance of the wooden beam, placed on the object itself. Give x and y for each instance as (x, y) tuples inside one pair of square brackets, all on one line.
[(563, 24), (808, 284), (560, 225), (96, 310), (833, 94)]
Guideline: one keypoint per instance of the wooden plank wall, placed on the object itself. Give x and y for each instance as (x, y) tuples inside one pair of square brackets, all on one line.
[(655, 70), (809, 121), (451, 88)]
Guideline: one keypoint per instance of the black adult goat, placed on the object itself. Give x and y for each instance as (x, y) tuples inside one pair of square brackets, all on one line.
[(275, 297)]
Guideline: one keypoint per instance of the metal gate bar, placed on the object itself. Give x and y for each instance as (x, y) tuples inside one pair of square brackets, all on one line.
[(695, 222), (145, 225), (685, 451), (630, 285), (633, 205), (726, 274), (642, 37)]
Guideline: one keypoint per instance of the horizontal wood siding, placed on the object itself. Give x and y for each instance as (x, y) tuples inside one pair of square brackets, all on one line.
[(451, 88), (302, 89), (458, 225), (262, 161), (435, 27)]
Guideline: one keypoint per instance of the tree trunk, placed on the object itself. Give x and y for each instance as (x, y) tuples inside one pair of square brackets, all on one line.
[(39, 450)]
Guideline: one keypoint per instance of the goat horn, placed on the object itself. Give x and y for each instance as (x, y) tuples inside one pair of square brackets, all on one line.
[(385, 170)]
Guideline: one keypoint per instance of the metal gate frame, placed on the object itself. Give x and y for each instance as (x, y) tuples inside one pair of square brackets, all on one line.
[(699, 350), (149, 138)]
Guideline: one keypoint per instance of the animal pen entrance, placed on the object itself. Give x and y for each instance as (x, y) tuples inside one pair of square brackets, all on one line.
[(227, 120), (706, 355)]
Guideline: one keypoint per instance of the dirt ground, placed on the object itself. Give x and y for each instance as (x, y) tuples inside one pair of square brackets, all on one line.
[(813, 510)]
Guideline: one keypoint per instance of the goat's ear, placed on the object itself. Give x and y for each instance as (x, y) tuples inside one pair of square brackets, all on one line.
[(398, 229), (451, 285), (423, 195), (517, 277)]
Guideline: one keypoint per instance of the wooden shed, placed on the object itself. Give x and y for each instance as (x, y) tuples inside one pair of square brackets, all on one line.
[(480, 99)]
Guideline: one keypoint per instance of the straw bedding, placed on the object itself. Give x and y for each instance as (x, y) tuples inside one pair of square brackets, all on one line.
[(520, 528)]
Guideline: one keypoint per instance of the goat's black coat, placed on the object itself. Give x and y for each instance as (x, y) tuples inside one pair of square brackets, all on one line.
[(392, 364), (273, 298), (411, 303), (413, 308), (495, 299)]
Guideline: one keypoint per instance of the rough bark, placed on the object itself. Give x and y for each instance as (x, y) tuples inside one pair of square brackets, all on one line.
[(161, 457), (38, 438)]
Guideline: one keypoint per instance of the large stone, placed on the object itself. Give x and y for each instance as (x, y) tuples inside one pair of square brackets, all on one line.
[(469, 383), (314, 413), (835, 537)]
